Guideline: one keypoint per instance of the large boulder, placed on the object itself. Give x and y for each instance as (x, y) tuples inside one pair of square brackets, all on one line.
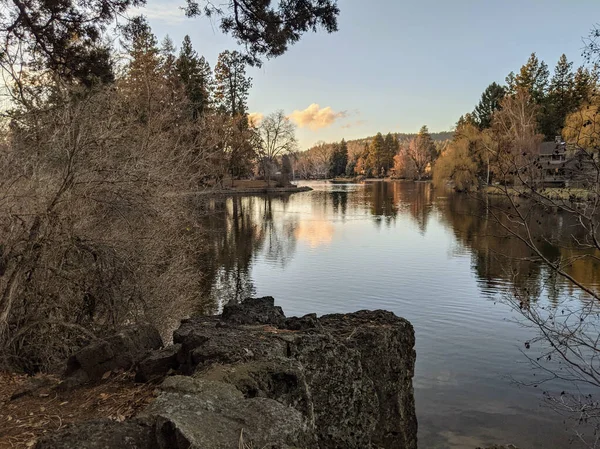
[(350, 375), (157, 364), (253, 375), (386, 346), (120, 351), (254, 311), (203, 414)]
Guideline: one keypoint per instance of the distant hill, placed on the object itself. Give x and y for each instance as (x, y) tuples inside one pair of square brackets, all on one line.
[(357, 145)]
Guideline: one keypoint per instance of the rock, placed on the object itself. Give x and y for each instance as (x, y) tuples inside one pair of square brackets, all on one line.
[(254, 311), (350, 375), (214, 415), (339, 381), (103, 434), (386, 346), (157, 364), (280, 379), (120, 351), (306, 322)]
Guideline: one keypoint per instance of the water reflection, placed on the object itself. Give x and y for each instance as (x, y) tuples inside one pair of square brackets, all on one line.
[(499, 259), (237, 229), (436, 258)]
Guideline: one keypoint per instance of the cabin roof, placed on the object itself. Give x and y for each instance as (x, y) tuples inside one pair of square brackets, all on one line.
[(550, 148)]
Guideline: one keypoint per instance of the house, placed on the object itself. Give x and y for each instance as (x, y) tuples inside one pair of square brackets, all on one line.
[(552, 162)]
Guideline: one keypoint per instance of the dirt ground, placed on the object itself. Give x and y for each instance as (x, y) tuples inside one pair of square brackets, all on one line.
[(41, 408)]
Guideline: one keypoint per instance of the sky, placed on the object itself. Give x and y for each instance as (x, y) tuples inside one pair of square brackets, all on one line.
[(394, 66)]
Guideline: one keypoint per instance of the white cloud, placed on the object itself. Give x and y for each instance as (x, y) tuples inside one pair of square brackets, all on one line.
[(315, 117), (255, 118)]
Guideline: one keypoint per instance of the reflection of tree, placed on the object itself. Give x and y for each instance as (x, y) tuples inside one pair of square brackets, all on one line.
[(383, 201), (279, 236), (499, 258), (419, 199), (340, 201), (236, 229), (387, 199)]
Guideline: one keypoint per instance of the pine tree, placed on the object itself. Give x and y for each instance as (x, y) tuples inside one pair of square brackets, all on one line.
[(533, 78), (390, 149), (585, 85), (489, 103), (560, 100), (338, 159), (232, 84), (196, 76), (144, 69), (376, 155), (144, 54)]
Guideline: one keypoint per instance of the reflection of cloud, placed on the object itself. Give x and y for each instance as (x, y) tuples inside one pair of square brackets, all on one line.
[(254, 118), (353, 124), (315, 233), (165, 12), (315, 117)]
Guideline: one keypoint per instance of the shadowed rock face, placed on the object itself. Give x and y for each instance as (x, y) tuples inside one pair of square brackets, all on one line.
[(330, 382)]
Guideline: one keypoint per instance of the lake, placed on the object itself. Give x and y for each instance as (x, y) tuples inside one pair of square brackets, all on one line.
[(435, 258)]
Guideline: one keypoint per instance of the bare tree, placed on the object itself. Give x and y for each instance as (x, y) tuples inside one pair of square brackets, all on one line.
[(277, 136)]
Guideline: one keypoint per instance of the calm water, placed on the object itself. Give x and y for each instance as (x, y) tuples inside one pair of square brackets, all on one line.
[(431, 257)]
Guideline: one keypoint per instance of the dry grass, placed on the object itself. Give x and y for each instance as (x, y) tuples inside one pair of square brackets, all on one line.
[(24, 420)]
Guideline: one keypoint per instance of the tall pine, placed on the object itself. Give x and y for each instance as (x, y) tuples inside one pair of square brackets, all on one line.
[(376, 156), (195, 74), (560, 100), (232, 84), (533, 78)]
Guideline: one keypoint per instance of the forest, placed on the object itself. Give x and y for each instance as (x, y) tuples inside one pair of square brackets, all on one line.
[(562, 105), (106, 132)]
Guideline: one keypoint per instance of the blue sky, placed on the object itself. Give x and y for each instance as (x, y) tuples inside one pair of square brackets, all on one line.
[(396, 65)]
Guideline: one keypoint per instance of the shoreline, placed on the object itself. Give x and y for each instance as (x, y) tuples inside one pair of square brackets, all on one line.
[(253, 191)]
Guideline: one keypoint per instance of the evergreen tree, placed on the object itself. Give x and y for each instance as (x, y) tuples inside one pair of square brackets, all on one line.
[(489, 103), (533, 78), (338, 159), (585, 86), (145, 63), (376, 155), (64, 36), (425, 141), (267, 28), (232, 84), (167, 53), (560, 100), (196, 76), (391, 147), (466, 119), (351, 166)]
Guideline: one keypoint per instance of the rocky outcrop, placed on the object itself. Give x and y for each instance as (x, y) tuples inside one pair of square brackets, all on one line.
[(254, 375)]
